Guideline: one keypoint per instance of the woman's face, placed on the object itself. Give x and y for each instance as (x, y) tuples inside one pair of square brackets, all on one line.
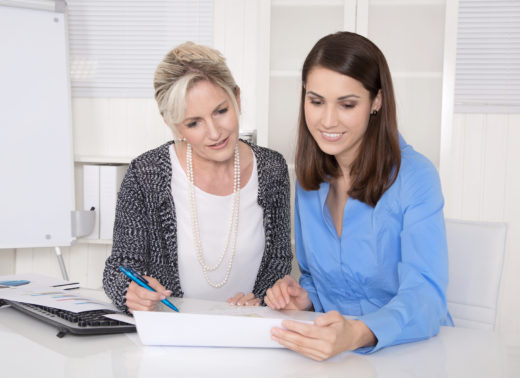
[(210, 122), (337, 109)]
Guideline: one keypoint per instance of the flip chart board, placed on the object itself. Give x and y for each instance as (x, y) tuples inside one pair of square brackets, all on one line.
[(36, 149)]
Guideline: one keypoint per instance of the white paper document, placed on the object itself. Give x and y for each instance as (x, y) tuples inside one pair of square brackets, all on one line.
[(48, 291), (209, 323)]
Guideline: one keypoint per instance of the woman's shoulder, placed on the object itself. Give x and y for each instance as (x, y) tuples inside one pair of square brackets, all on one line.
[(152, 158), (418, 179), (415, 166)]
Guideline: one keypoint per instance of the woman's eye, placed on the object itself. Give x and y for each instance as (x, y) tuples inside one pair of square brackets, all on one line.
[(191, 124), (315, 102), (348, 106), (222, 111)]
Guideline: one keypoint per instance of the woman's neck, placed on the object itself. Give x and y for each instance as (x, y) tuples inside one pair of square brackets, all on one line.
[(215, 177)]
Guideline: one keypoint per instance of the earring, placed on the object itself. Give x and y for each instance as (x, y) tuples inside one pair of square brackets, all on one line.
[(180, 139), (374, 112)]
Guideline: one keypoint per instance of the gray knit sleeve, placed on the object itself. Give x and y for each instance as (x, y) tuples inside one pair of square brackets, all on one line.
[(274, 197), (130, 239)]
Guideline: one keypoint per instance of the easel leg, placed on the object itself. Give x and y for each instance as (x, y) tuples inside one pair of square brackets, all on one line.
[(62, 264)]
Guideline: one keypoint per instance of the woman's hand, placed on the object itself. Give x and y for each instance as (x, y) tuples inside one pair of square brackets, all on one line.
[(287, 294), (140, 299), (241, 299), (330, 334)]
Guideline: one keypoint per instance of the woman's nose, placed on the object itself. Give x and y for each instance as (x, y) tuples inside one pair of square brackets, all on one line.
[(329, 117), (213, 130)]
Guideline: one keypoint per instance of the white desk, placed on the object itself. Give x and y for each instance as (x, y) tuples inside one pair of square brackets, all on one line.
[(30, 348)]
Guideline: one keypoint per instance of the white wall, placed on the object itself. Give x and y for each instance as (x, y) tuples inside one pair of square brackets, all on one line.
[(482, 182), (479, 165)]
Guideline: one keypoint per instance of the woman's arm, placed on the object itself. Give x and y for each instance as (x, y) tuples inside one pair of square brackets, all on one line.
[(277, 259), (130, 239), (419, 307)]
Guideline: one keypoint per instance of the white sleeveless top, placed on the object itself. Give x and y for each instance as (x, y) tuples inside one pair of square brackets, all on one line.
[(214, 213)]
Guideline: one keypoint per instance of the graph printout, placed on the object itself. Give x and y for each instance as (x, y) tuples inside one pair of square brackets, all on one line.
[(51, 297)]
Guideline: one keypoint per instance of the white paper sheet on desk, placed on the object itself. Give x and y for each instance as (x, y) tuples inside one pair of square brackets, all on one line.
[(53, 297), (209, 323)]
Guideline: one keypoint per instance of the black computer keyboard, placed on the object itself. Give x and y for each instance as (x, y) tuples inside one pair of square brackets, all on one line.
[(81, 323)]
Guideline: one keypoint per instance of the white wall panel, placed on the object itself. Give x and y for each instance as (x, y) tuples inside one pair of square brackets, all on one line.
[(7, 262), (113, 128), (482, 182), (495, 166), (472, 166), (84, 263)]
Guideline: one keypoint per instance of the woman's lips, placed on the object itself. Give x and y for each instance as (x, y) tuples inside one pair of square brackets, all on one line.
[(331, 137), (219, 145)]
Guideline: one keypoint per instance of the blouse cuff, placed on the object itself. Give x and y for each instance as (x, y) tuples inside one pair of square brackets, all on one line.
[(385, 327), (315, 301)]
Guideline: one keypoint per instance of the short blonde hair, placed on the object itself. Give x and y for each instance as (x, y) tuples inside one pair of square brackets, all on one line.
[(180, 70)]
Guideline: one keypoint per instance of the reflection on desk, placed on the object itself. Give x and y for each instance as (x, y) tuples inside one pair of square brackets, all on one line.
[(30, 348)]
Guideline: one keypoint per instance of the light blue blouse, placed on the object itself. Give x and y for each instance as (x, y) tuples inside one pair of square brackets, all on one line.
[(390, 266)]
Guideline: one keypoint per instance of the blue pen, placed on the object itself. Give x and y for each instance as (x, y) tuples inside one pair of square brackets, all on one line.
[(141, 281)]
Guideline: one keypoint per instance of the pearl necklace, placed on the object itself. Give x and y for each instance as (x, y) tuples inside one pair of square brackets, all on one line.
[(233, 222)]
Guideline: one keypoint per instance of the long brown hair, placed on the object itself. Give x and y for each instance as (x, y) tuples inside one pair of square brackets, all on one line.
[(376, 167)]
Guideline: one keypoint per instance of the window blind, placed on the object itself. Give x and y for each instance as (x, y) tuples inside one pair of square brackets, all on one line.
[(115, 45), (487, 75)]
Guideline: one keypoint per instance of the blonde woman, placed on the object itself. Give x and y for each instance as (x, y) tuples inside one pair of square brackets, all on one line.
[(206, 215)]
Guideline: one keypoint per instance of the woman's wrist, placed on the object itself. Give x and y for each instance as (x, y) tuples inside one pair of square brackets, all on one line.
[(363, 336)]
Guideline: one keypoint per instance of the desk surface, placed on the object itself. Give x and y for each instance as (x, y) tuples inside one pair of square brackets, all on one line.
[(29, 348)]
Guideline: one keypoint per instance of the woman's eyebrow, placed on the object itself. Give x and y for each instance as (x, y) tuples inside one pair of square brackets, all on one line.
[(219, 105), (339, 98), (348, 96), (314, 94), (194, 118)]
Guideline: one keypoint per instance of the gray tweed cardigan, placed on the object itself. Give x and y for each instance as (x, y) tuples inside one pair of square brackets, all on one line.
[(145, 228)]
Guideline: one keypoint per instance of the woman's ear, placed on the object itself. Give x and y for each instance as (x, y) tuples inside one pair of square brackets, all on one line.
[(378, 101)]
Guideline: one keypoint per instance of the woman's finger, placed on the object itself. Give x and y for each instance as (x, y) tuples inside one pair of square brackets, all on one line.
[(139, 306), (270, 298), (277, 297), (307, 330), (253, 302), (156, 285), (145, 294), (328, 319), (234, 300), (268, 302), (295, 342), (287, 286), (245, 299)]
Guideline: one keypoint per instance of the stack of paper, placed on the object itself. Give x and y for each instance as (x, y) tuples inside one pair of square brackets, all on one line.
[(210, 323)]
